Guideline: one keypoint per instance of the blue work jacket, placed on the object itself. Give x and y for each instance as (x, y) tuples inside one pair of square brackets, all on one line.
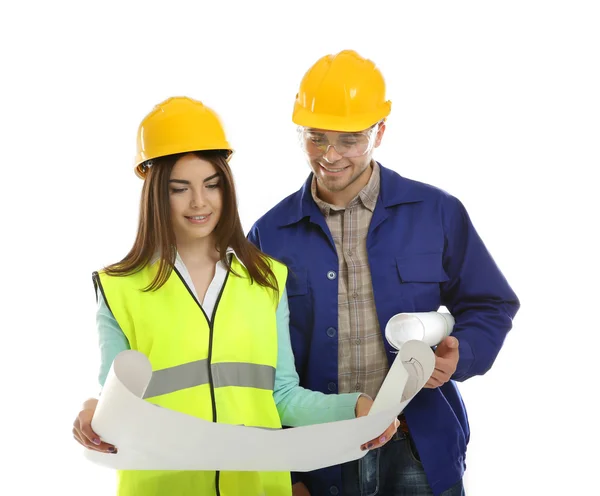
[(423, 253)]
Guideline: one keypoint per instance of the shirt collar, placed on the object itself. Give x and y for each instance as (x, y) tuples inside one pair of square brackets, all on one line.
[(368, 195), (229, 251)]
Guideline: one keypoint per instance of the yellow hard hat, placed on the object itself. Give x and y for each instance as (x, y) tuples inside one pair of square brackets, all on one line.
[(178, 125), (341, 92)]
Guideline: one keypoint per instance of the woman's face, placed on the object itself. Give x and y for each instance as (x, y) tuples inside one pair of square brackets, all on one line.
[(196, 198)]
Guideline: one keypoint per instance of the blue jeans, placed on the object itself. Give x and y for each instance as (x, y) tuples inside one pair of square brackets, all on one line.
[(392, 470)]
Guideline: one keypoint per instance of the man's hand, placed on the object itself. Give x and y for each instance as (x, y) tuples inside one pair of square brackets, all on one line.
[(446, 360)]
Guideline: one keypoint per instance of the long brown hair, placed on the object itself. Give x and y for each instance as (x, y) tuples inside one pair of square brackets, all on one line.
[(155, 235)]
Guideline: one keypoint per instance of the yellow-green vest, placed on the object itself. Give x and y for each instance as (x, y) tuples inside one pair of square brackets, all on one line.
[(222, 372)]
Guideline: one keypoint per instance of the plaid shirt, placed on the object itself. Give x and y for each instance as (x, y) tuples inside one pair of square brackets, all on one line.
[(362, 361)]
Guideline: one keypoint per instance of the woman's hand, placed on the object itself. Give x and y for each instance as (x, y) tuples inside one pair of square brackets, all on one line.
[(82, 429), (299, 489), (363, 406)]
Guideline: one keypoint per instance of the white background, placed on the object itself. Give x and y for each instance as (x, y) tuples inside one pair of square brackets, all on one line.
[(496, 102)]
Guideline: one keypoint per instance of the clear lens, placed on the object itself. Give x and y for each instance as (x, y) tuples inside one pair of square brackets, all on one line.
[(316, 143)]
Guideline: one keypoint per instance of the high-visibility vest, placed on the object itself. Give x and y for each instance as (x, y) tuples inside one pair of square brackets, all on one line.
[(220, 369)]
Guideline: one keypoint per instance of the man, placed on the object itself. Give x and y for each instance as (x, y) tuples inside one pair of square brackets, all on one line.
[(364, 244)]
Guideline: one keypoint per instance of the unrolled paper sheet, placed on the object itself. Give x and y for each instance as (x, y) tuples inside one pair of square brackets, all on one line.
[(149, 437)]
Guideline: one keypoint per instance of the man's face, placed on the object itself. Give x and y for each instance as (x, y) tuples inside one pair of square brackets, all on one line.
[(339, 159)]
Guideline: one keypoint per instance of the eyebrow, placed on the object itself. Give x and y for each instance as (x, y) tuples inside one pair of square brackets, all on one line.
[(211, 177), (185, 181)]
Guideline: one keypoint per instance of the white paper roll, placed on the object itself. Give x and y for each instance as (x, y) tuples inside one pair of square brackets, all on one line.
[(429, 327)]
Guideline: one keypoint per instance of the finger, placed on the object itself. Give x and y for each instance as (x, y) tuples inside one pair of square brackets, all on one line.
[(78, 438), (438, 377), (448, 347), (85, 426), (86, 443), (437, 381), (78, 435), (444, 365), (432, 383), (91, 440), (442, 376), (388, 434), (444, 369), (378, 442), (105, 448)]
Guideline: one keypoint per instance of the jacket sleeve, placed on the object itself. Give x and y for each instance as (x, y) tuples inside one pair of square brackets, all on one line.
[(254, 237), (476, 294)]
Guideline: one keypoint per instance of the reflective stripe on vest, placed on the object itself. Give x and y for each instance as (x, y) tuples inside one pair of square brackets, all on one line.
[(192, 374)]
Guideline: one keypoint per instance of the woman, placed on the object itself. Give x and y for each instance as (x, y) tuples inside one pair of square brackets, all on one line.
[(205, 305)]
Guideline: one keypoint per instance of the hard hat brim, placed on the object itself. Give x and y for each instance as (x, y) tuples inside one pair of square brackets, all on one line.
[(305, 118)]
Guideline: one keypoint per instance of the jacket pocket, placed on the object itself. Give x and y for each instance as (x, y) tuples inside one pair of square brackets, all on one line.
[(421, 267), (420, 277)]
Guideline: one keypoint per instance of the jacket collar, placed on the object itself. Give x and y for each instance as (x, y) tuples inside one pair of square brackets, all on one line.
[(394, 190)]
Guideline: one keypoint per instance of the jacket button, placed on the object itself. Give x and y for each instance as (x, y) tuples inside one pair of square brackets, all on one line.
[(331, 275), (331, 386), (331, 332), (334, 490)]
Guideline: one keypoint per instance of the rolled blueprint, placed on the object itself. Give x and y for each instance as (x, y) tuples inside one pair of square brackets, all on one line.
[(402, 331), (429, 327)]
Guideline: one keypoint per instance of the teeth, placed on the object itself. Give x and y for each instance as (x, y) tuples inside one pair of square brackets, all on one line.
[(333, 170), (199, 217)]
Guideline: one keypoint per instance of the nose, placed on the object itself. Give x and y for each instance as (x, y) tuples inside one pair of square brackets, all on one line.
[(197, 199), (331, 155)]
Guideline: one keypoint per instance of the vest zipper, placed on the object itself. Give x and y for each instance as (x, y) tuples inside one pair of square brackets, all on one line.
[(210, 346)]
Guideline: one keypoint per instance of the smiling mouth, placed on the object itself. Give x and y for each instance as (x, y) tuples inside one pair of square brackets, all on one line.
[(197, 219), (329, 169)]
